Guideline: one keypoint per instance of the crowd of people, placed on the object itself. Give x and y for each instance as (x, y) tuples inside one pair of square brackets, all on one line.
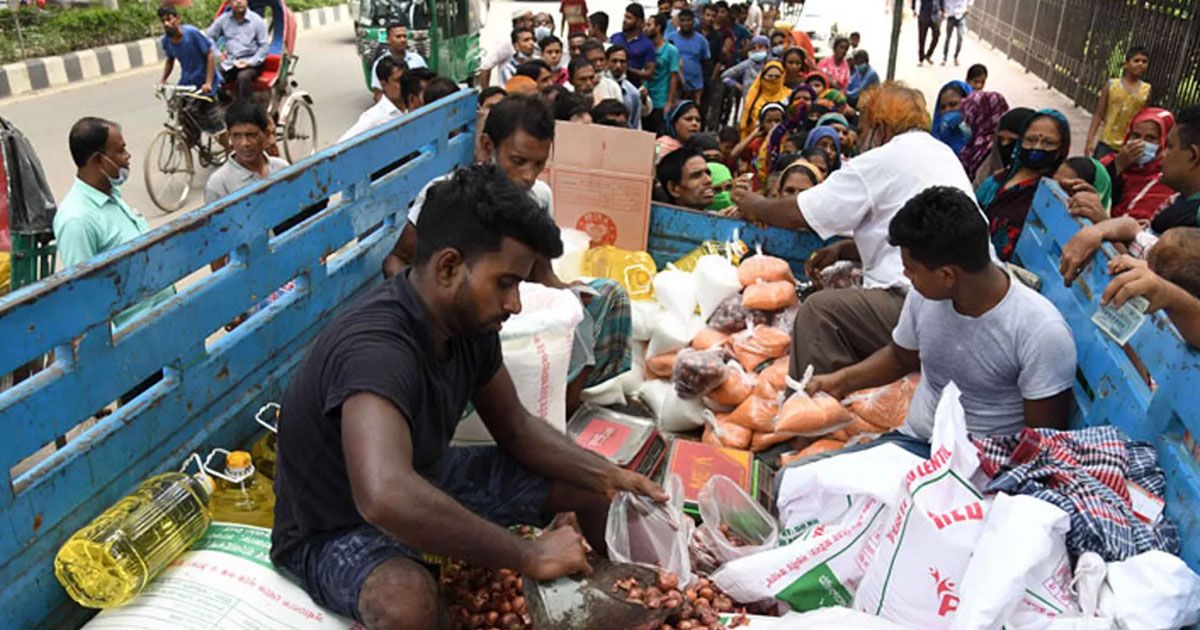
[(932, 193)]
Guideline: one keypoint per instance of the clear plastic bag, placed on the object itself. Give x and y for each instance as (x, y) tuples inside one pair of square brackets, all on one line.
[(733, 523), (731, 317), (785, 320), (757, 413), (758, 344), (776, 373), (709, 338), (698, 372), (737, 387), (764, 268), (661, 365), (725, 433), (770, 296), (806, 415), (644, 532), (884, 407)]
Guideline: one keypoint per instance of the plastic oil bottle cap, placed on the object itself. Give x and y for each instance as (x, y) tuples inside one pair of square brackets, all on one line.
[(237, 461)]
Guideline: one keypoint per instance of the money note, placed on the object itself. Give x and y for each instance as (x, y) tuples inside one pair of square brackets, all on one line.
[(1121, 323)]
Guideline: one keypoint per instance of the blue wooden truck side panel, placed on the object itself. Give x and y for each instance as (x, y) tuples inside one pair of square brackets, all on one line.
[(1110, 389), (209, 391)]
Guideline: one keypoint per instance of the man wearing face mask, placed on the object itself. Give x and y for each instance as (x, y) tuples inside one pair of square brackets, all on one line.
[(93, 218), (839, 327)]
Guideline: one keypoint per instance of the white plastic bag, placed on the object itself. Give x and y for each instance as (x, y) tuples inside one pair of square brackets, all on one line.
[(724, 504), (672, 333), (536, 346), (821, 568), (1020, 574), (642, 531), (671, 412), (931, 531), (832, 618), (716, 279), (643, 317), (1151, 590), (675, 290)]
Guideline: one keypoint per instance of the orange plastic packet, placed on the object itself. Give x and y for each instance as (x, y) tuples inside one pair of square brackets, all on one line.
[(820, 446), (729, 434), (769, 296), (884, 407), (757, 413), (776, 373), (764, 268), (737, 388), (709, 338), (802, 414), (764, 441), (661, 365), (757, 344)]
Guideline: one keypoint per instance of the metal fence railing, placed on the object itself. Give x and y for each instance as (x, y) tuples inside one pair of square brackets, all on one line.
[(1075, 45)]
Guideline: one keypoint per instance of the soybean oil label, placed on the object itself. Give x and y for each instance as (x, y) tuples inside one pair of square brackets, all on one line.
[(244, 541)]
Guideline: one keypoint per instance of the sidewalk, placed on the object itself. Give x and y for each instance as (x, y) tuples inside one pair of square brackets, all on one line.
[(1020, 89), (41, 73)]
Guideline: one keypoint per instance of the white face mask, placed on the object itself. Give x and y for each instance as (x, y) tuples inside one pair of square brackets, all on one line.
[(122, 175), (541, 32)]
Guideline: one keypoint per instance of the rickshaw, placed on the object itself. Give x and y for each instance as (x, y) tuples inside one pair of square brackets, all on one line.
[(169, 165), (444, 32)]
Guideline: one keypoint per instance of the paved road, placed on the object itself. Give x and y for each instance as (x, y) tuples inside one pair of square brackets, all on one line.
[(327, 69)]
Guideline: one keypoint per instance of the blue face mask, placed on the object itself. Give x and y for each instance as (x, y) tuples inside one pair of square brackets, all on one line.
[(542, 32), (1149, 151), (951, 120), (1036, 159), (758, 56), (778, 50)]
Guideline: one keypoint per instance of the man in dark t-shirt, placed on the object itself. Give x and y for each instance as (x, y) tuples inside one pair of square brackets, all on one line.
[(366, 482)]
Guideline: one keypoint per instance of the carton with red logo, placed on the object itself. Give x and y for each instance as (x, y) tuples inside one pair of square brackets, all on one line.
[(628, 441)]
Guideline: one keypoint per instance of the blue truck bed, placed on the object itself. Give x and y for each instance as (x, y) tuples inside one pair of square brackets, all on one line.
[(210, 387)]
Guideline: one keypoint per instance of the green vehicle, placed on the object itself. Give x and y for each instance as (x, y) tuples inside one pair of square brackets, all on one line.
[(444, 32)]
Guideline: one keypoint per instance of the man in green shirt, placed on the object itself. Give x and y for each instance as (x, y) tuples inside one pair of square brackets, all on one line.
[(93, 218), (663, 85)]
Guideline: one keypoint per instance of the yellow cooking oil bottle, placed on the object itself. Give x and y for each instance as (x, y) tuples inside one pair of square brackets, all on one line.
[(242, 494), (263, 450), (115, 556), (632, 270)]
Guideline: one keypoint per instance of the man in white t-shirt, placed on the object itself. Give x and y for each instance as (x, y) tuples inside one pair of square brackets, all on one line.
[(1007, 348), (840, 327)]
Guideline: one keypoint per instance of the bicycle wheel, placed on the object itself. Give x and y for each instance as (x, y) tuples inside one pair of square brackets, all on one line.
[(299, 132), (168, 170)]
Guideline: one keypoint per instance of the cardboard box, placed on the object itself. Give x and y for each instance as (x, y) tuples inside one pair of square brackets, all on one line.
[(602, 178), (696, 462), (628, 441)]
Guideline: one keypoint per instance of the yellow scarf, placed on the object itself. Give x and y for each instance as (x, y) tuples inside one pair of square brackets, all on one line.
[(760, 93)]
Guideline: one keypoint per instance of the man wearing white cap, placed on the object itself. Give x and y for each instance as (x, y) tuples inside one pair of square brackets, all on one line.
[(499, 53)]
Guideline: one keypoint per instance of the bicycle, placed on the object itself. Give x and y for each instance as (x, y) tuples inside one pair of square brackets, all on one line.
[(193, 123)]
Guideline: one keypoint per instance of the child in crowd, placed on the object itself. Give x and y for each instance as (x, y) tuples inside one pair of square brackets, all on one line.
[(1120, 100)]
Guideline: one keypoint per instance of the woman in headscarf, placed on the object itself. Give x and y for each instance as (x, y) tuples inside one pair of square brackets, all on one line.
[(795, 63), (722, 181), (753, 147), (1045, 142), (817, 81), (1092, 172), (682, 122), (826, 139), (981, 111), (798, 177), (794, 121), (1007, 134), (1137, 168), (767, 88), (948, 119)]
